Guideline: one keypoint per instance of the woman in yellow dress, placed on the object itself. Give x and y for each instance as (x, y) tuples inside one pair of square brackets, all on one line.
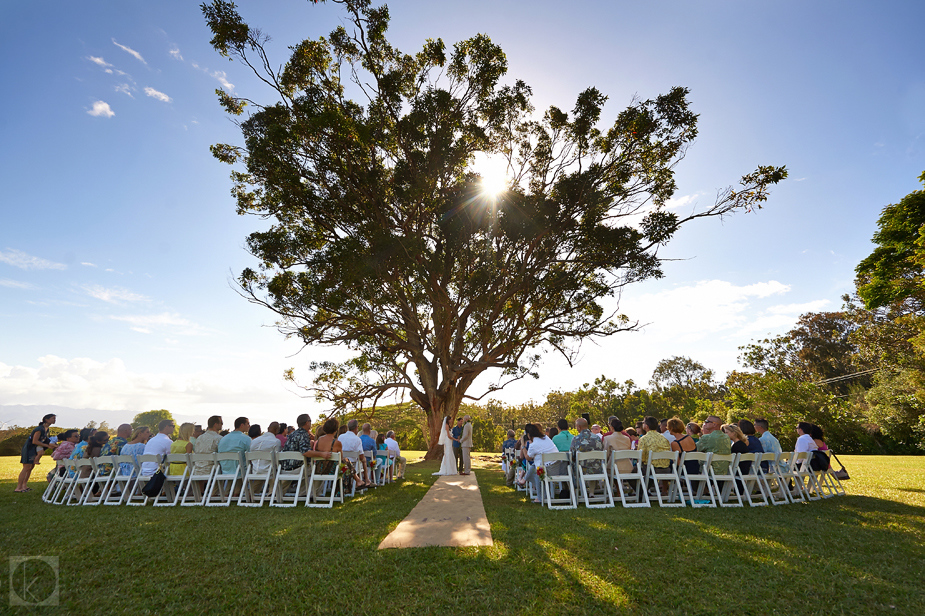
[(181, 445)]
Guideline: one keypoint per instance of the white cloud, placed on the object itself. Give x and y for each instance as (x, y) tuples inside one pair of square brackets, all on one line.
[(114, 295), (125, 89), (18, 258), (99, 61), (251, 390), (130, 50), (165, 320), (223, 79), (88, 264), (101, 108), (158, 95), (798, 309), (175, 53), (679, 202), (15, 284)]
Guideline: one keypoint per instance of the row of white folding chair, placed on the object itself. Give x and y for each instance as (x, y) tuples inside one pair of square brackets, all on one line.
[(322, 495)]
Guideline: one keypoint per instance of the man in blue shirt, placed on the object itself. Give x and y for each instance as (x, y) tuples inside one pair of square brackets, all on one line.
[(237, 441), (369, 443), (457, 450), (768, 440)]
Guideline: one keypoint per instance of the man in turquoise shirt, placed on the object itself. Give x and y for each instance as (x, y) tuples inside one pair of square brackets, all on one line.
[(237, 441), (563, 440), (768, 440)]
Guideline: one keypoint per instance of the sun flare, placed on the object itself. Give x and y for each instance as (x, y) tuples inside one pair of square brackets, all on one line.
[(493, 171)]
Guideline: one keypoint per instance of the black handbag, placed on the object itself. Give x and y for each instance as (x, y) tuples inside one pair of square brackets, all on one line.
[(154, 485)]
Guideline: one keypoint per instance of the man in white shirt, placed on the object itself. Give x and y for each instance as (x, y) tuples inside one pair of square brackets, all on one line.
[(159, 444), (805, 442), (350, 441), (263, 442), (400, 460)]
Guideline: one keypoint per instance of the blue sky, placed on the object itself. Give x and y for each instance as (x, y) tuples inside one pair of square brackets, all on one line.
[(118, 235)]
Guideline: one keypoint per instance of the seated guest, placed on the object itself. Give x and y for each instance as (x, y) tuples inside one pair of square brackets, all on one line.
[(135, 447), (511, 442), (368, 440), (552, 432), (236, 441), (400, 460), (754, 443), (663, 428), (634, 437), (283, 434), (693, 431), (653, 442), (327, 444), (539, 444), (95, 446), (78, 452), (817, 435), (617, 441), (181, 445), (300, 441), (350, 442), (805, 442), (596, 430), (739, 444), (115, 445), (158, 445), (714, 440), (683, 442), (562, 440), (769, 442), (585, 440), (263, 442), (382, 454), (197, 432), (207, 443), (66, 442)]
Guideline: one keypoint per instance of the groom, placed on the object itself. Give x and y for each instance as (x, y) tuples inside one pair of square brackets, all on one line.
[(465, 444)]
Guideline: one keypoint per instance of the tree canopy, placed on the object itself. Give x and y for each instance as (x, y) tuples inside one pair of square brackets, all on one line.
[(382, 239)]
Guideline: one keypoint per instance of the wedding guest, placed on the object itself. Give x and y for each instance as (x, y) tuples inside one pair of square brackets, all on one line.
[(563, 440), (511, 442), (683, 442), (197, 432), (769, 442), (715, 440), (596, 431), (617, 441), (207, 443), (739, 444), (586, 440), (78, 452), (693, 431), (634, 437), (300, 440), (182, 445), (539, 444), (609, 429), (135, 447), (350, 442), (283, 434), (66, 442), (263, 442), (120, 440), (817, 436), (236, 441), (754, 443), (400, 460), (663, 428), (329, 443), (38, 438), (158, 445), (366, 437), (805, 442), (653, 442), (95, 447)]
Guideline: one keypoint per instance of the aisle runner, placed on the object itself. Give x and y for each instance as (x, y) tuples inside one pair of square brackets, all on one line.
[(450, 514)]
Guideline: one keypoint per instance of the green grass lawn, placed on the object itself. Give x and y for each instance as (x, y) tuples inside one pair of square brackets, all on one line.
[(859, 554)]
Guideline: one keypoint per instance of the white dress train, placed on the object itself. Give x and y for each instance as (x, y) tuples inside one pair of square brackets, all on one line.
[(448, 466)]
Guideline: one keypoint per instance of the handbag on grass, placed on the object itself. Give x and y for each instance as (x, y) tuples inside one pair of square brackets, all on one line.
[(842, 473)]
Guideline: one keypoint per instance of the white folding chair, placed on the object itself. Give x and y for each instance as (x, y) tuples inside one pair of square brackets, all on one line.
[(507, 458), (224, 482), (135, 495), (823, 479), (805, 479), (774, 484), (390, 461), (553, 474), (701, 478), (123, 473), (671, 477), (285, 478), (751, 480), (261, 473), (56, 480), (640, 497), (594, 499), (82, 483), (354, 457), (67, 482), (727, 479), (316, 495), (832, 478), (173, 483), (199, 479), (372, 466), (103, 478)]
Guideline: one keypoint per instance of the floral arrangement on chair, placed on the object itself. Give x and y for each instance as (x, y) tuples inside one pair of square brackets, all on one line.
[(541, 472)]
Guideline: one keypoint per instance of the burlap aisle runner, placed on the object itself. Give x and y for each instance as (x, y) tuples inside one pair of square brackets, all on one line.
[(450, 514)]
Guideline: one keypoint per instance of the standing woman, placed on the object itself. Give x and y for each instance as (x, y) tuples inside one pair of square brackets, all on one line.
[(37, 438)]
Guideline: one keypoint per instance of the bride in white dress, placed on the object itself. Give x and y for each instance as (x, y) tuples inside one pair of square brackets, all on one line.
[(448, 466)]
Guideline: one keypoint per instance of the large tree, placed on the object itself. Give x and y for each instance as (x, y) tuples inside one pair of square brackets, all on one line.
[(382, 239)]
